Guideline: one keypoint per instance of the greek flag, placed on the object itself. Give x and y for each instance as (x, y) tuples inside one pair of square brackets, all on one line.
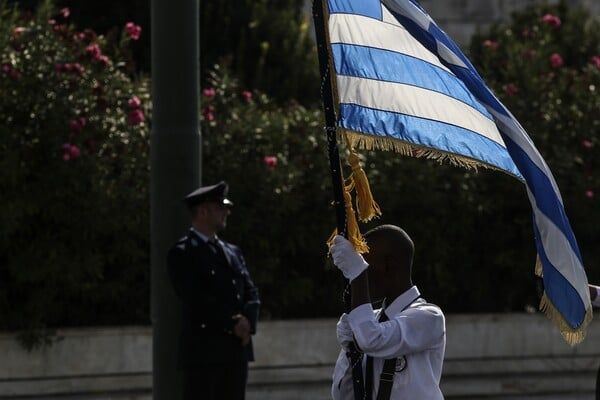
[(402, 84)]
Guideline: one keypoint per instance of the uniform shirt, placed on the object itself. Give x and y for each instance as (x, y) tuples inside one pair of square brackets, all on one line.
[(415, 335)]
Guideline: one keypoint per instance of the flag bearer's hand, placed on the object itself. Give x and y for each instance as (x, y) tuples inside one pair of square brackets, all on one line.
[(346, 258)]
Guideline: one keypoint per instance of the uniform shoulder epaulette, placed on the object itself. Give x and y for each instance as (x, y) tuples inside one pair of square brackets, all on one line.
[(181, 243)]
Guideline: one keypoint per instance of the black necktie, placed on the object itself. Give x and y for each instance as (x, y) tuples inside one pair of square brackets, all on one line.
[(216, 247), (369, 367)]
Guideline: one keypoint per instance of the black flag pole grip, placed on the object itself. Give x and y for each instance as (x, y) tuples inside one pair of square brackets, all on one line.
[(336, 174)]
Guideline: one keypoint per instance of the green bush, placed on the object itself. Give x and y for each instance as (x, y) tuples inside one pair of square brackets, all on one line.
[(274, 158), (73, 175), (268, 44)]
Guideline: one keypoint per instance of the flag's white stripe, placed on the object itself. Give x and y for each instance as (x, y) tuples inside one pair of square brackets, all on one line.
[(415, 101), (388, 18), (374, 33), (558, 250)]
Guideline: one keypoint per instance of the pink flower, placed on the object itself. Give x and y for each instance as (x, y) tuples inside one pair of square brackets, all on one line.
[(246, 94), (556, 60), (551, 20), (70, 152), (52, 21), (17, 31), (94, 51), (6, 68), (209, 92), (134, 102), (65, 12), (490, 44), (530, 53), (586, 144), (209, 112), (77, 69), (596, 61), (76, 127), (104, 60), (589, 194), (511, 90), (75, 152), (135, 117), (134, 31), (270, 162)]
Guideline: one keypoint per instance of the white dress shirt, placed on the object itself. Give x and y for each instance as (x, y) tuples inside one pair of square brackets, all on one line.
[(415, 334)]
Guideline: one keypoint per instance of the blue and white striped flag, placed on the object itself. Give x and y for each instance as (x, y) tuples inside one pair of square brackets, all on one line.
[(403, 84)]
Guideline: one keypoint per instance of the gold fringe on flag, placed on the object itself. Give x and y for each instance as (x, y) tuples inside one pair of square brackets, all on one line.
[(372, 142), (573, 336)]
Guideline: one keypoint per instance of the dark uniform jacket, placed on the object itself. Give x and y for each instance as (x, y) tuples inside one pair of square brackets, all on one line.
[(212, 289)]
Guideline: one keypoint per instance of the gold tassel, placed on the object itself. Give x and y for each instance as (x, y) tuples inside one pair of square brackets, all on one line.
[(354, 235), (366, 206)]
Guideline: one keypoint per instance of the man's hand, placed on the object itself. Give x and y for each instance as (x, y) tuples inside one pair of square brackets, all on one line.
[(242, 328), (346, 258)]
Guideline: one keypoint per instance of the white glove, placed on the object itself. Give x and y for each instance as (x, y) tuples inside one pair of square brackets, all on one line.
[(344, 331), (346, 258)]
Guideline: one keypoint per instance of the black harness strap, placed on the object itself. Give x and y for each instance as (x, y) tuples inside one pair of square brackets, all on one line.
[(386, 379)]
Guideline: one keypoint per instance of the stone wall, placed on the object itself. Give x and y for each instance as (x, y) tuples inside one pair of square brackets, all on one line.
[(491, 356), (462, 18)]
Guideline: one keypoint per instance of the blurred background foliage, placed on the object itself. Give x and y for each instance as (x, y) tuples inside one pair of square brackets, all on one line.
[(74, 246)]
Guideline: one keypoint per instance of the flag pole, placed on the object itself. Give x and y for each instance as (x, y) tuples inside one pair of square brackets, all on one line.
[(336, 173), (329, 110)]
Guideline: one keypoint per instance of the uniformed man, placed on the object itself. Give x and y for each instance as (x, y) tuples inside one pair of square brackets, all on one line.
[(403, 343), (220, 302)]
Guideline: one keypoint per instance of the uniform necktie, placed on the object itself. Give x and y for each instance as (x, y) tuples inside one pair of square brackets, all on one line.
[(216, 247)]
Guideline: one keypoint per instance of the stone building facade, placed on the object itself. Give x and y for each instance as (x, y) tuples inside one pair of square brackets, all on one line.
[(460, 19)]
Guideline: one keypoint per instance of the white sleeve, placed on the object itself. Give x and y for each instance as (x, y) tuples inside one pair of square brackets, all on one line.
[(414, 330), (596, 301), (341, 387)]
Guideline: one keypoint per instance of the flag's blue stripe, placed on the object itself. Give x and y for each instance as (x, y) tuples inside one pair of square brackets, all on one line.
[(389, 66), (546, 198), (425, 132), (367, 8), (559, 290)]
